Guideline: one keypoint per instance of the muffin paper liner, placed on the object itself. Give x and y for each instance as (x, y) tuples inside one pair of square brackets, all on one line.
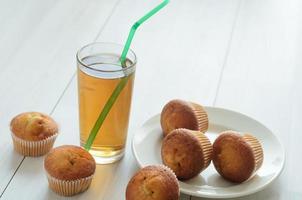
[(207, 148), (202, 117), (257, 150), (69, 187), (33, 148), (169, 169)]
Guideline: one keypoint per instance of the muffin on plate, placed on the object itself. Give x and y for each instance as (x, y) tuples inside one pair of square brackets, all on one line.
[(237, 157), (186, 152), (156, 182), (69, 169), (33, 133), (183, 114)]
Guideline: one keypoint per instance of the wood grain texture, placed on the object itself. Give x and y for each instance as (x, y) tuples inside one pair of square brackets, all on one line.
[(262, 78), (38, 45), (180, 55)]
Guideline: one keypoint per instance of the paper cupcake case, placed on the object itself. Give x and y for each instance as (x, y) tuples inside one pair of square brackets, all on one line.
[(202, 117), (168, 169), (70, 187), (33, 148), (207, 148), (256, 148)]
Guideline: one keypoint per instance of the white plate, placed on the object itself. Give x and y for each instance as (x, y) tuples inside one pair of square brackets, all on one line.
[(146, 146)]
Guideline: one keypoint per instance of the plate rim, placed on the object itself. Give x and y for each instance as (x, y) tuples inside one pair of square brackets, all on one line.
[(220, 196)]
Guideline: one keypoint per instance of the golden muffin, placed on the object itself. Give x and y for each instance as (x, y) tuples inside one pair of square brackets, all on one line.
[(183, 114), (237, 157), (33, 133), (186, 152), (155, 182), (70, 169)]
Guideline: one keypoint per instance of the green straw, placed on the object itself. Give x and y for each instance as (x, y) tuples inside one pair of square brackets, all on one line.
[(123, 82)]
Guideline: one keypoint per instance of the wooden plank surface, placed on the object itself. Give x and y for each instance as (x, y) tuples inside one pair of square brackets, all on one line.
[(238, 54), (180, 55), (38, 45)]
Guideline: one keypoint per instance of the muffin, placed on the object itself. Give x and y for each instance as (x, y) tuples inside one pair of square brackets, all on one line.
[(237, 157), (33, 133), (186, 152), (70, 169), (183, 114), (155, 182)]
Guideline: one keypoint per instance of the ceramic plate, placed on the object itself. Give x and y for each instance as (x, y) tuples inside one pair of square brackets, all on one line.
[(146, 146)]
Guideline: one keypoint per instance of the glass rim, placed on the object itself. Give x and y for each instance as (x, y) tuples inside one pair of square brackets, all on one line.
[(133, 63)]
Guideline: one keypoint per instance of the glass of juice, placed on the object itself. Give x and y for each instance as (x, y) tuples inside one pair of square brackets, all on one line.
[(99, 71)]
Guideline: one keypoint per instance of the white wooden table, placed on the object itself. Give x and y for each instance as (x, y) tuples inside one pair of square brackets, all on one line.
[(243, 55)]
